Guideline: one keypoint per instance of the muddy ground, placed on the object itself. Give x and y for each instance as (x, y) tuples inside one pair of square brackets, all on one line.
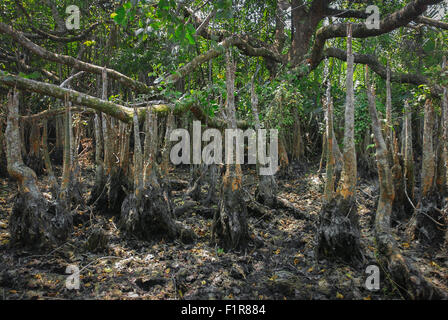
[(280, 262)]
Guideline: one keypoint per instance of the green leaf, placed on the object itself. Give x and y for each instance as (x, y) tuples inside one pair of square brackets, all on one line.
[(164, 5), (190, 38), (120, 15), (127, 5)]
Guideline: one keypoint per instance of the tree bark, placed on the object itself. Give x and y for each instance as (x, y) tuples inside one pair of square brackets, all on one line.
[(401, 203), (3, 165), (348, 178), (444, 140), (338, 231), (406, 277), (329, 134), (266, 192), (34, 157), (35, 222), (147, 214), (408, 154), (54, 187), (430, 224), (229, 228), (298, 150)]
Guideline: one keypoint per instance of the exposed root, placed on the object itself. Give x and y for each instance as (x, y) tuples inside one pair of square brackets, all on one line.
[(431, 223), (38, 223), (267, 191), (229, 228), (285, 204), (112, 194), (98, 240), (400, 271), (338, 231), (147, 215), (99, 185), (35, 163)]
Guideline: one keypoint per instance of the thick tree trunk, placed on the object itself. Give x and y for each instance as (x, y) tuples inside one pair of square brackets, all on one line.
[(338, 231), (35, 222), (229, 228), (404, 275)]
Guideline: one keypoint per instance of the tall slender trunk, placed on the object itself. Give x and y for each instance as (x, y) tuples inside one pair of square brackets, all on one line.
[(401, 203), (166, 147), (67, 162), (3, 165), (348, 178), (404, 275), (430, 226), (34, 159), (35, 221), (428, 161), (151, 170), (298, 149), (125, 133), (229, 229), (444, 139), (147, 213), (338, 231), (49, 168), (100, 179), (282, 154), (266, 192), (408, 153), (329, 134), (138, 155)]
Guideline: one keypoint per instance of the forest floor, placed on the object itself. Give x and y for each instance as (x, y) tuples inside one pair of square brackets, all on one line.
[(279, 264)]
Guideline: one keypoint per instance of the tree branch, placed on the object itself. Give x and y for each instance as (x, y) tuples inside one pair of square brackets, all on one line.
[(432, 22), (341, 13), (381, 70), (240, 42), (391, 22), (71, 61), (115, 110)]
